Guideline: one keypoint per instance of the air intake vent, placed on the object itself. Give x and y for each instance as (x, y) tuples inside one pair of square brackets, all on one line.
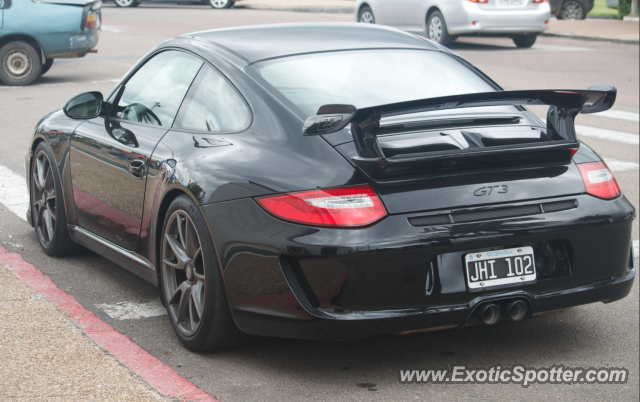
[(559, 206), (630, 262), (430, 220), (495, 213), (298, 283)]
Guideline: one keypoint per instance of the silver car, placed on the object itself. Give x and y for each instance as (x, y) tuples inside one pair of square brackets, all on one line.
[(444, 20)]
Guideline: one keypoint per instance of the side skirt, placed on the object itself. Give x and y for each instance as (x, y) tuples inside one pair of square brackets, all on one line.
[(127, 259)]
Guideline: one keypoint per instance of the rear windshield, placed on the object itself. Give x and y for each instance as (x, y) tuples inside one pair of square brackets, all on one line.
[(365, 78)]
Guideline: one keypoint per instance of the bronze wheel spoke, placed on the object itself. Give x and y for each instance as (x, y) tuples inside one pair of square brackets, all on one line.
[(185, 299), (178, 251)]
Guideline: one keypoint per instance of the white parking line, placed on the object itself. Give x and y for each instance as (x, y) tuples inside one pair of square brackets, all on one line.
[(619, 114), (608, 135), (13, 192), (130, 310), (620, 166)]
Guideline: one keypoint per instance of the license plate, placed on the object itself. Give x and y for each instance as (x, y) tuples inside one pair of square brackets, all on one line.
[(510, 2), (500, 267)]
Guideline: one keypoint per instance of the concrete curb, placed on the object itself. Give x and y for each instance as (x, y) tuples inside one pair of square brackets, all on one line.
[(157, 374), (328, 10), (593, 38)]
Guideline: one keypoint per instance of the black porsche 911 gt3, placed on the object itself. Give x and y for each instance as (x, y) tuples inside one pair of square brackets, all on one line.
[(332, 181)]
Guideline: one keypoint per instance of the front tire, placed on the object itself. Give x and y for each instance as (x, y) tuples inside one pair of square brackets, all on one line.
[(366, 16), (21, 64), (47, 205), (525, 41), (573, 10), (437, 29), (191, 282)]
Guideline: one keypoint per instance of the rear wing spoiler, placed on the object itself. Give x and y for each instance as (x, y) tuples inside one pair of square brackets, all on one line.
[(564, 105)]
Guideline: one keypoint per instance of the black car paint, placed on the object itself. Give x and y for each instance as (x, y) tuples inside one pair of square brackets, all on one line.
[(383, 278)]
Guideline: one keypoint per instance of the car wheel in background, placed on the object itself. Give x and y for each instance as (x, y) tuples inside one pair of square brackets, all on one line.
[(524, 41), (366, 15), (126, 3), (573, 10), (191, 282), (21, 63), (220, 4), (437, 29), (47, 206), (46, 66)]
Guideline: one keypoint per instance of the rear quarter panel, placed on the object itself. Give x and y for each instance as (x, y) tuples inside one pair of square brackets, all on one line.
[(51, 25)]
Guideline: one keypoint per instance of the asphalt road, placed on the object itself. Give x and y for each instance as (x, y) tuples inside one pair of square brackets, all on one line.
[(596, 335)]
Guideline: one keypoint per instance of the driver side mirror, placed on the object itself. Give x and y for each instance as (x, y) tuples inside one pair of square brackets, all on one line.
[(86, 105)]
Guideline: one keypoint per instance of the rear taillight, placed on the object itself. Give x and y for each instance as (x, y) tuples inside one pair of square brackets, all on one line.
[(92, 21), (538, 1), (599, 180), (479, 1), (341, 206)]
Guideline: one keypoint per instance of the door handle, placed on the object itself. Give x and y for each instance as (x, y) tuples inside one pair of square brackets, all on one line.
[(136, 168)]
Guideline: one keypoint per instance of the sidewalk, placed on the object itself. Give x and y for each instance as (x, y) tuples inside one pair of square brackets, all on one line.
[(44, 356), (596, 29), (309, 6), (589, 29)]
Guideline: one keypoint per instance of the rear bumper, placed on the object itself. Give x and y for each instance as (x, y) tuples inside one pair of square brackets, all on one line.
[(289, 280), (503, 22), (607, 291)]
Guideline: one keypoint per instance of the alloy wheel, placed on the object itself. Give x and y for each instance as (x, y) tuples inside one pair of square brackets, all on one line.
[(219, 3), (571, 10), (44, 199), (435, 29), (183, 273), (366, 17), (17, 64), (124, 3)]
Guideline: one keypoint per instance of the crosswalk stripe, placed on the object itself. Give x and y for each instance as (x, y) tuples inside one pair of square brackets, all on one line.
[(620, 166), (608, 135), (619, 114), (13, 192)]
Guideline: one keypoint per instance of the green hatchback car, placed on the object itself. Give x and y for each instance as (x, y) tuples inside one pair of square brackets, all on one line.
[(35, 32)]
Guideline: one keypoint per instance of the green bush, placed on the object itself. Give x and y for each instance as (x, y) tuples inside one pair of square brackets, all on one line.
[(624, 8)]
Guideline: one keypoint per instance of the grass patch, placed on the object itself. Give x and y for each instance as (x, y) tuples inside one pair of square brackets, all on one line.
[(600, 9)]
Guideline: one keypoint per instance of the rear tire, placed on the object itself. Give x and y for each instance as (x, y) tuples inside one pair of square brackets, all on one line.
[(365, 15), (21, 63), (46, 66), (437, 29), (525, 41), (126, 3), (193, 287), (47, 205), (573, 10), (221, 4)]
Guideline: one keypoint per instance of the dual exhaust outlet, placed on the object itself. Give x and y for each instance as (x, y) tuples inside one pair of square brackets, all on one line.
[(490, 313)]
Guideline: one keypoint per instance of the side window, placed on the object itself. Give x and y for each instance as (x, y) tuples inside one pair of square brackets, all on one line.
[(154, 93), (215, 105)]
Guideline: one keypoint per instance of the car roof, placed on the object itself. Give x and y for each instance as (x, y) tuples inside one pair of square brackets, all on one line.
[(260, 42)]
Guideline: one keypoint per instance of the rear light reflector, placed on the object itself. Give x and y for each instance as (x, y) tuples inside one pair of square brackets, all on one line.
[(338, 207), (92, 21), (599, 180)]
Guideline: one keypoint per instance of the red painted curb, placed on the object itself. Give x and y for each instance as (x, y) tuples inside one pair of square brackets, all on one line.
[(160, 376)]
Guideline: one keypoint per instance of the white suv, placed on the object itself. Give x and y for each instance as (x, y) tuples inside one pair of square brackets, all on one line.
[(444, 20)]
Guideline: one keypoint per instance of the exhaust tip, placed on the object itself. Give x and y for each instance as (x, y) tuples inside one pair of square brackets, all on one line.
[(487, 314), (515, 310)]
